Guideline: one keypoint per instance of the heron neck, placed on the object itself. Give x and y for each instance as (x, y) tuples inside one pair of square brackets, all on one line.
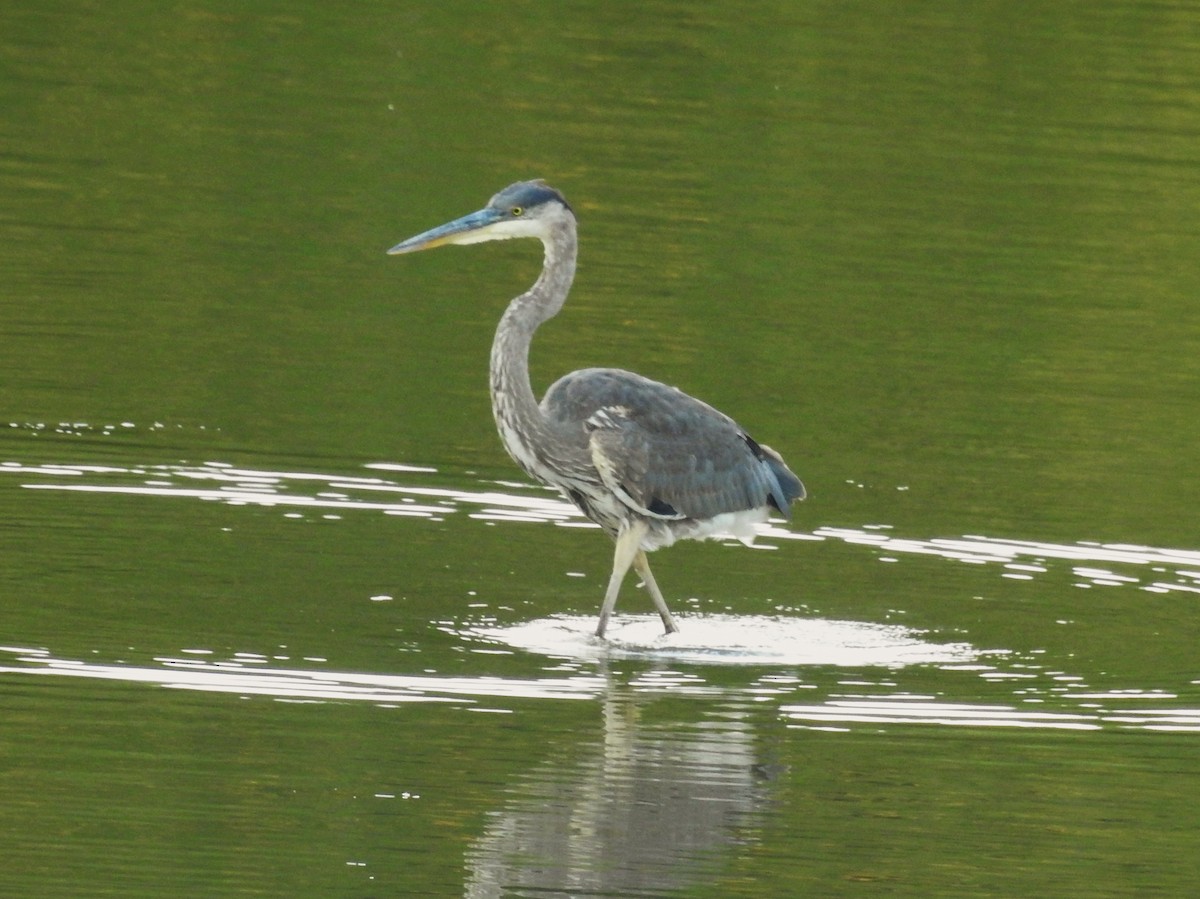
[(513, 401)]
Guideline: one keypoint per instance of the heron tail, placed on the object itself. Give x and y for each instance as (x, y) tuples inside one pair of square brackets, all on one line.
[(785, 487)]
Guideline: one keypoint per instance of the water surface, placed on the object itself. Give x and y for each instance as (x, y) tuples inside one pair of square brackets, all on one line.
[(277, 616)]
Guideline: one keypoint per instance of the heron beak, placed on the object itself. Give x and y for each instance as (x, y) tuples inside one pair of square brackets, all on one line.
[(467, 229)]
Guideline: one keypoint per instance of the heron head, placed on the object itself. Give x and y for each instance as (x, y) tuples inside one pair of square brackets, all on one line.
[(524, 209)]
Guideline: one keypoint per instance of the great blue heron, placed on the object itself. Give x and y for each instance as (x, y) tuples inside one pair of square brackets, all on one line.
[(646, 462)]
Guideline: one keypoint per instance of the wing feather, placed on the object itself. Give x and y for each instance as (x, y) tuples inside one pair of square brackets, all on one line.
[(665, 454)]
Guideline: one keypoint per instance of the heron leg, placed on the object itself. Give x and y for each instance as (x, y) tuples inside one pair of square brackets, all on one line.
[(629, 546), (642, 566)]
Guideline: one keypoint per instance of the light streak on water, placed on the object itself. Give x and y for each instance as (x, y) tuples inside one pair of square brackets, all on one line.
[(409, 491), (787, 646)]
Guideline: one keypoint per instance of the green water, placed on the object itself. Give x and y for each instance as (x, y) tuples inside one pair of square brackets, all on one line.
[(277, 615)]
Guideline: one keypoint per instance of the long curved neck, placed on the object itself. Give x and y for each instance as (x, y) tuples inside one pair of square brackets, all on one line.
[(518, 417)]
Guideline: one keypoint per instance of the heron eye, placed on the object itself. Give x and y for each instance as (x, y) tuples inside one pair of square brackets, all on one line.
[(517, 211)]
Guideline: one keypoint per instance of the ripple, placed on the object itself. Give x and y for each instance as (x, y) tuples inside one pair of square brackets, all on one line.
[(901, 709), (730, 640), (250, 674), (412, 491), (908, 710), (849, 701)]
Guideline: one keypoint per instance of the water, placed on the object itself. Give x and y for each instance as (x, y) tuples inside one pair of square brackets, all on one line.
[(277, 617)]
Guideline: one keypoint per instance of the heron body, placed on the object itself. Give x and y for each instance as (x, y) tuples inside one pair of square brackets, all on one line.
[(646, 462)]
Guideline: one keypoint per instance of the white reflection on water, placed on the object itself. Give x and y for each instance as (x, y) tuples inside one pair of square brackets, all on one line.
[(1066, 700), (732, 640), (910, 710), (856, 701), (1023, 559), (402, 492), (295, 684), (902, 709)]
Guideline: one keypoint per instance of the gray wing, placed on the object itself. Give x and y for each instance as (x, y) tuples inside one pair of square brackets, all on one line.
[(667, 454)]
